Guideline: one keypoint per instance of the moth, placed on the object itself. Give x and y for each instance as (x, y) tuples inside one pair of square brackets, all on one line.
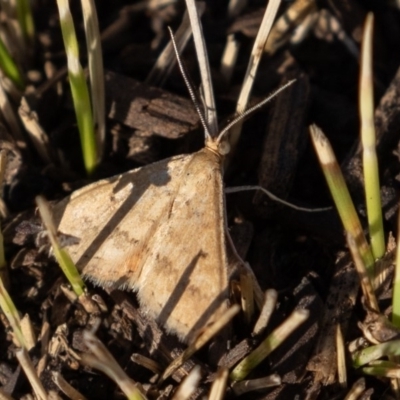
[(159, 230)]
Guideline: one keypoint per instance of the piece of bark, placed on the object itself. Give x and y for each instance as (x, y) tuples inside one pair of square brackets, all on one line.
[(237, 354), (138, 147), (148, 109), (387, 117), (284, 145)]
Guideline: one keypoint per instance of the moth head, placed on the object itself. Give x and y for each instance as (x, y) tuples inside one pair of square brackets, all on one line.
[(220, 145)]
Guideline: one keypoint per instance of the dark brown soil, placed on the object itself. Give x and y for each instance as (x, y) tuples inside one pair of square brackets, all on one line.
[(291, 251)]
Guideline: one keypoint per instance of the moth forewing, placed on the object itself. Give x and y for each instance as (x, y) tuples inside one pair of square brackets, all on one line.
[(107, 215), (185, 277), (158, 230)]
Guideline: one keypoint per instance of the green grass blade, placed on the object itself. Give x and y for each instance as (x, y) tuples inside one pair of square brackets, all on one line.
[(96, 72), (368, 139), (396, 282), (372, 353), (341, 195), (69, 269), (386, 369), (11, 313), (275, 339), (62, 256), (79, 89), (25, 19), (9, 67)]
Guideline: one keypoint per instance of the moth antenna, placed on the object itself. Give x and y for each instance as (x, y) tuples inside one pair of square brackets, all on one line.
[(252, 109), (189, 86), (274, 198)]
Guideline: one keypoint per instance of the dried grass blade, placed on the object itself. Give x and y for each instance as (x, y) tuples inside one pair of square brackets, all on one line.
[(366, 284), (341, 357), (100, 358), (356, 390), (27, 365), (36, 133), (189, 385), (66, 388), (200, 341), (218, 388), (202, 57), (251, 385), (166, 61), (270, 299), (259, 43)]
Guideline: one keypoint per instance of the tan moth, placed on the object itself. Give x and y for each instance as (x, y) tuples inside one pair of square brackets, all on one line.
[(158, 230)]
